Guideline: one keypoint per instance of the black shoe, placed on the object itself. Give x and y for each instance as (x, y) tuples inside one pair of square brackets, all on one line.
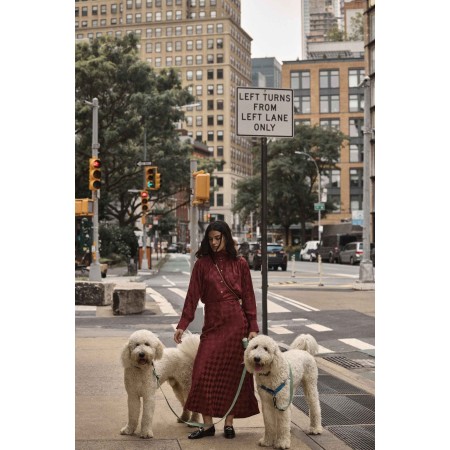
[(228, 432), (201, 432)]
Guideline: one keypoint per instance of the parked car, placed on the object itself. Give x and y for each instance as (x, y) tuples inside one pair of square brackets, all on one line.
[(308, 251), (276, 257), (331, 245), (172, 248), (351, 253), (248, 251)]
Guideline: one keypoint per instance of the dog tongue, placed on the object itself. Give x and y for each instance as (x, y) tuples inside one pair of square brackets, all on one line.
[(142, 361), (258, 367)]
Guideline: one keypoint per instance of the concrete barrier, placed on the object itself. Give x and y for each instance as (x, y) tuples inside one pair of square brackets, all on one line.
[(129, 299), (93, 293)]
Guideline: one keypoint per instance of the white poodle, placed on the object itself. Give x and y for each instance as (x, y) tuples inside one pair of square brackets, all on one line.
[(176, 368), (270, 367), (142, 349)]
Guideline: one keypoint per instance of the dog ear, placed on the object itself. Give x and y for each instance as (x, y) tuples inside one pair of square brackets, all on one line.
[(125, 356), (159, 350)]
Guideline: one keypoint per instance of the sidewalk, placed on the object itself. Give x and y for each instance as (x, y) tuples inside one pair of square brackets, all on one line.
[(101, 399), (101, 411)]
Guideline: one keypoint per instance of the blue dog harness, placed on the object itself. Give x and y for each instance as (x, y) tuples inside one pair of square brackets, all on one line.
[(278, 389)]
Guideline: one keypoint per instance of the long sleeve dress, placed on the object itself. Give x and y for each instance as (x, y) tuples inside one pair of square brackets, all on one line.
[(219, 362)]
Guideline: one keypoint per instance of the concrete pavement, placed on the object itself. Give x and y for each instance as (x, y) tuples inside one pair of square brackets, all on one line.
[(101, 403)]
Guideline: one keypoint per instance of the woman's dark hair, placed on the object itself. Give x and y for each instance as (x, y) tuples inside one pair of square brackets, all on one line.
[(219, 225)]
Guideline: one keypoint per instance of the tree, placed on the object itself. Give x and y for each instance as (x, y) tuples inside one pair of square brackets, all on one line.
[(356, 28), (135, 104), (334, 34), (292, 178)]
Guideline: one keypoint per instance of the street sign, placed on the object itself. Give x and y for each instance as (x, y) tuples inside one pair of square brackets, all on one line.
[(319, 206), (265, 112), (144, 163)]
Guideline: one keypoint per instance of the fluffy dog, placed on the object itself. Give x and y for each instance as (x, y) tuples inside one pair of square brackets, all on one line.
[(142, 349), (270, 367), (175, 367)]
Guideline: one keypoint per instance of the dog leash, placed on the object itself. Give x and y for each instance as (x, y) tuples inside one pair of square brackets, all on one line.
[(198, 424), (278, 389)]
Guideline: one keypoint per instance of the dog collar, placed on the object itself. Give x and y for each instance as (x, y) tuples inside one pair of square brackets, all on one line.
[(272, 391), (278, 389), (264, 374)]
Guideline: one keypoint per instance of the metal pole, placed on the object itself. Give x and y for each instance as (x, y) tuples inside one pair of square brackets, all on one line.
[(193, 219), (144, 215), (319, 232), (264, 232), (366, 267), (94, 271)]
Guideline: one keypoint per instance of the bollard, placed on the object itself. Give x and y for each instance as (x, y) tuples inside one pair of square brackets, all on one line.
[(293, 266)]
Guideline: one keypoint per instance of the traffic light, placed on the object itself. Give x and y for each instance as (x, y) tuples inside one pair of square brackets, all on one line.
[(150, 177), (202, 188), (95, 174), (157, 180), (144, 201)]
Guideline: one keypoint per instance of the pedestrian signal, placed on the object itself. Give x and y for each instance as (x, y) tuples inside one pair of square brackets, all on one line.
[(95, 174)]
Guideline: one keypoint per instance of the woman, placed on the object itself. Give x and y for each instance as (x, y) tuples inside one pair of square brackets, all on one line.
[(219, 363)]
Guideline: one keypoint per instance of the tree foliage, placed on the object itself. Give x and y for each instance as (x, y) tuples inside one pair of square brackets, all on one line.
[(136, 105), (291, 178)]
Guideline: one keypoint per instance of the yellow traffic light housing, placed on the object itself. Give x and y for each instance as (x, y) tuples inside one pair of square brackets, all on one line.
[(144, 201), (95, 174), (157, 180), (150, 178), (202, 188), (84, 207)]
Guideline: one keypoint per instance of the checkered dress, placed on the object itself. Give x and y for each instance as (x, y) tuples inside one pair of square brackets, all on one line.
[(219, 362)]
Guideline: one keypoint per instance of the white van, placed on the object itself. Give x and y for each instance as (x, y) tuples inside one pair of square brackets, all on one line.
[(305, 252)]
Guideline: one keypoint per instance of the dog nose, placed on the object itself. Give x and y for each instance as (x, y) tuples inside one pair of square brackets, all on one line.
[(141, 354), (257, 359)]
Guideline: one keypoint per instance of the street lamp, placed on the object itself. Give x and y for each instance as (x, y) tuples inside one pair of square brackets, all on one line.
[(319, 258)]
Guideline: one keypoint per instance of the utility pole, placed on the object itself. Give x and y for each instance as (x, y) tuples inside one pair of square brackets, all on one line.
[(95, 271), (193, 223), (365, 266), (144, 214)]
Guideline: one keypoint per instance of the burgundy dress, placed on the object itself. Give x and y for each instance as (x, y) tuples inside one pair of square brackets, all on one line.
[(220, 358)]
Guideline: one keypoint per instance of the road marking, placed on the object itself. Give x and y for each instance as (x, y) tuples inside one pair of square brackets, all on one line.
[(361, 345), (275, 308), (171, 282), (324, 350), (292, 302), (183, 294), (280, 330), (164, 305), (85, 308), (317, 327), (299, 319)]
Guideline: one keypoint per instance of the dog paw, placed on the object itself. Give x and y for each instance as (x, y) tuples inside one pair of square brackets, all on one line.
[(146, 434), (126, 430), (285, 443), (265, 442), (315, 430)]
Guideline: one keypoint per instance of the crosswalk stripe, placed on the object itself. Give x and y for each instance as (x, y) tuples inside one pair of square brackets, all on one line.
[(317, 327), (274, 307), (292, 302), (280, 330), (183, 294), (361, 345), (165, 306), (324, 350)]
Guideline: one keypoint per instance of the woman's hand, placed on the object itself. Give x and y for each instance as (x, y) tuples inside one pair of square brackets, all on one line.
[(177, 336), (252, 334)]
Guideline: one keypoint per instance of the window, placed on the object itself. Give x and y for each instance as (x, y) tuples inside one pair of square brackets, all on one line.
[(329, 103), (219, 58), (189, 60), (219, 28), (199, 136), (329, 79), (199, 60), (169, 15), (210, 74), (138, 4), (210, 44), (129, 18), (356, 127), (210, 105), (148, 47), (219, 74), (158, 62), (219, 199), (103, 9), (189, 75), (356, 102), (169, 31), (330, 123), (199, 75), (210, 120), (355, 77), (219, 43), (219, 181), (178, 46), (138, 18), (300, 80), (149, 32), (178, 15), (169, 46), (158, 47), (210, 59), (220, 135), (356, 202), (178, 31), (158, 32), (302, 104), (198, 29), (189, 45), (129, 4), (199, 90), (149, 17), (220, 104), (95, 10), (220, 151), (356, 153), (199, 121), (220, 89), (210, 136), (169, 61), (210, 28), (189, 30), (84, 11), (114, 8), (220, 119), (356, 178), (178, 60), (198, 44), (210, 89)]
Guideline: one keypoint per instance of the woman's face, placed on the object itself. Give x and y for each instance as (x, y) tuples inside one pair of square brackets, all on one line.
[(216, 240)]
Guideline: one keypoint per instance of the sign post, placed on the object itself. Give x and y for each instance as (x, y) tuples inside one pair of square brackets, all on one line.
[(265, 113)]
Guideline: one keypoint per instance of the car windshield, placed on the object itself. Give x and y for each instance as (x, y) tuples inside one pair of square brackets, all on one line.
[(274, 248)]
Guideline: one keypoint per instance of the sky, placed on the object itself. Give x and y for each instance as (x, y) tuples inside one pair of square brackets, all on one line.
[(275, 26)]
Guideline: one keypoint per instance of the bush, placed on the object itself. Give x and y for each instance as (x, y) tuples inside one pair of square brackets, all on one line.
[(117, 243)]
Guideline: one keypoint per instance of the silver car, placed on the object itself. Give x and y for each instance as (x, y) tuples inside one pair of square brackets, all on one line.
[(352, 253)]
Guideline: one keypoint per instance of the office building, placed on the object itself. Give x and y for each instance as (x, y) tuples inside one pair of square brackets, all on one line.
[(266, 72), (202, 39)]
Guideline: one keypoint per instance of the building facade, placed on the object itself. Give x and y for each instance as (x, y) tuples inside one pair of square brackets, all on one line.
[(204, 41), (266, 72), (327, 92)]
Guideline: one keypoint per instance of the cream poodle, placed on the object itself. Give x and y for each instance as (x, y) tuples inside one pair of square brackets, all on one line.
[(142, 349), (175, 367), (270, 367)]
